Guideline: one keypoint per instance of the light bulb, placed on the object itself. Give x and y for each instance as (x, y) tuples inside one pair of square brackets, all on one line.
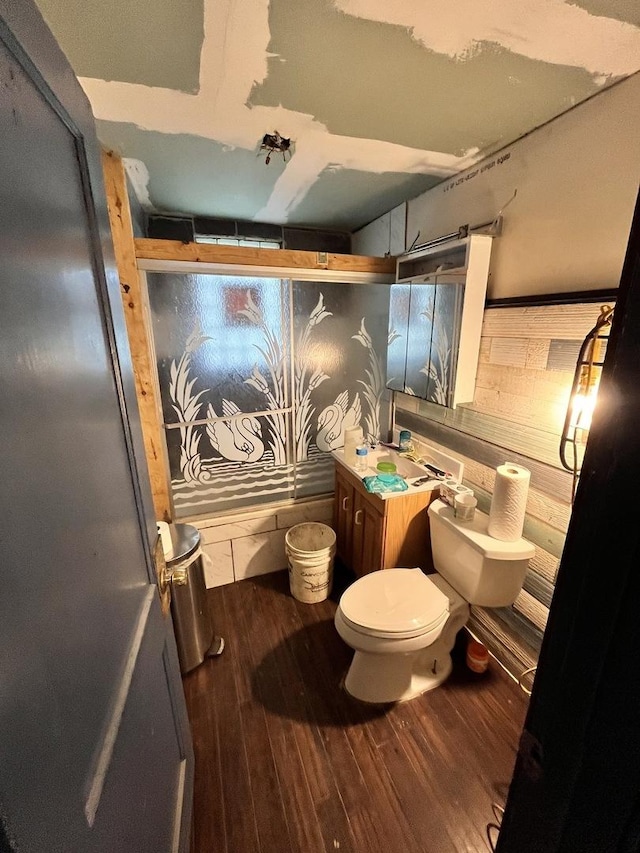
[(582, 409)]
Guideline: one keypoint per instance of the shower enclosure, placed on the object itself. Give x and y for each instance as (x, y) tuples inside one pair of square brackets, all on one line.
[(259, 377)]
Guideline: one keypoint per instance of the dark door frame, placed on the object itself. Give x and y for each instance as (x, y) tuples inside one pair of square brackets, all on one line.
[(576, 785)]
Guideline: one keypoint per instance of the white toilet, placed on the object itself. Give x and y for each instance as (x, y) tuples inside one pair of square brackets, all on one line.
[(403, 623)]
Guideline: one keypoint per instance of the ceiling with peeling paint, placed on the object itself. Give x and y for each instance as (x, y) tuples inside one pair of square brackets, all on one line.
[(381, 99)]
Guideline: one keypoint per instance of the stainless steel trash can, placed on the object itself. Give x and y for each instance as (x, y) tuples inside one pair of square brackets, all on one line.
[(191, 620)]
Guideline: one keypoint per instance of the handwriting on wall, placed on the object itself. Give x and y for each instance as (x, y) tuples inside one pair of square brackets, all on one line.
[(491, 164)]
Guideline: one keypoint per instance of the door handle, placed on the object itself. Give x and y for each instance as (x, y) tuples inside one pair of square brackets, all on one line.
[(358, 514), (345, 502), (178, 575)]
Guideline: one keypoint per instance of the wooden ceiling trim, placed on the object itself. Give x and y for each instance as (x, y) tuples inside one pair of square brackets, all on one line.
[(210, 253)]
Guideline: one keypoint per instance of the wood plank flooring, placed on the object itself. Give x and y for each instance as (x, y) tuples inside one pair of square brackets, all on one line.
[(287, 762)]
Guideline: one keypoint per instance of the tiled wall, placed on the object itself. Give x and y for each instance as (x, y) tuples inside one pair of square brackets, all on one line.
[(526, 365), (252, 543), (527, 361)]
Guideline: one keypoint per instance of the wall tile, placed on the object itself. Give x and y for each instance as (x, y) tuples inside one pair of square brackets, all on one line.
[(508, 380), (570, 322), (533, 610), (259, 554), (513, 407), (440, 414), (407, 402), (485, 350), (549, 415), (220, 570), (509, 351), (545, 564), (537, 354), (229, 518), (237, 529), (563, 355), (521, 409), (321, 511), (552, 386)]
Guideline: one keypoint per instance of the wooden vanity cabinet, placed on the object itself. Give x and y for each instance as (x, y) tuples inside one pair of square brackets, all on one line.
[(343, 512), (373, 533), (368, 534)]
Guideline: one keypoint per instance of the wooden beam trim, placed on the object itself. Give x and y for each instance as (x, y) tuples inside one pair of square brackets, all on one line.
[(207, 253), (137, 329)]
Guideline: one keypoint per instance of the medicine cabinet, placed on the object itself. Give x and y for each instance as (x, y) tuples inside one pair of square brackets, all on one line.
[(435, 320)]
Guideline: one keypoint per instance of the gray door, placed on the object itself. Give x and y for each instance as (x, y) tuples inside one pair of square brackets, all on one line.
[(94, 747)]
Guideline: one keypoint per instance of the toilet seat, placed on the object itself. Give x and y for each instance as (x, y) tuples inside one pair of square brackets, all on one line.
[(394, 604)]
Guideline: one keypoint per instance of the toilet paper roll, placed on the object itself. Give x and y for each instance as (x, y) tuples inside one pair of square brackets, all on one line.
[(450, 488), (165, 537), (509, 502)]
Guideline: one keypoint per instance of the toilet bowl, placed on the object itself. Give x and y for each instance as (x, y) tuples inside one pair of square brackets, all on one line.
[(402, 626), (402, 623)]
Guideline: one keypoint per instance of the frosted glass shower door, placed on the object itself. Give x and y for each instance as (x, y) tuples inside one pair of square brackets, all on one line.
[(251, 407), (340, 335), (223, 355)]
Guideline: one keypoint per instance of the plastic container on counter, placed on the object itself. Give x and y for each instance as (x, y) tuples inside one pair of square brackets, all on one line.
[(386, 472)]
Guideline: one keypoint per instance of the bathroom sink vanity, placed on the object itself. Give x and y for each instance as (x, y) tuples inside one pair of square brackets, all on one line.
[(382, 531)]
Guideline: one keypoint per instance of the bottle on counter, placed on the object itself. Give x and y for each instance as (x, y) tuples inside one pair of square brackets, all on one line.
[(362, 452), (405, 445)]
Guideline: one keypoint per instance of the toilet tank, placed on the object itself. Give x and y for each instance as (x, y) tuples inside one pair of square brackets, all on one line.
[(485, 571)]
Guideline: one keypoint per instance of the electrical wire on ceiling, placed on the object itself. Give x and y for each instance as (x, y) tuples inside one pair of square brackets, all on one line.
[(274, 142)]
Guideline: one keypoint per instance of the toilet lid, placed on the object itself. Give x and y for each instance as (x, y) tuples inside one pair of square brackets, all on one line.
[(394, 602)]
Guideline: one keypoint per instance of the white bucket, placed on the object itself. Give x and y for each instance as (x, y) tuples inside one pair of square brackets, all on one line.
[(310, 548), (309, 537)]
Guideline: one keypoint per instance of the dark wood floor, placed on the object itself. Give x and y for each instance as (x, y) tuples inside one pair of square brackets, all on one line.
[(287, 761)]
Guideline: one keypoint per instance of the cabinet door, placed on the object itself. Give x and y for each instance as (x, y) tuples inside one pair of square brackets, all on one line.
[(368, 537), (446, 315), (343, 519), (419, 338), (398, 328)]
